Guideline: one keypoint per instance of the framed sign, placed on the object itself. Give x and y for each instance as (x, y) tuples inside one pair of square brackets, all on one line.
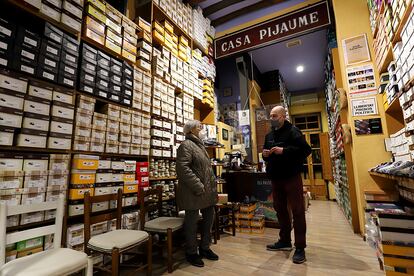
[(364, 107), (225, 134), (370, 126), (356, 49), (361, 81)]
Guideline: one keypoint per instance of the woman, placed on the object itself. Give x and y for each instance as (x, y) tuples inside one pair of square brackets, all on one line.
[(196, 191)]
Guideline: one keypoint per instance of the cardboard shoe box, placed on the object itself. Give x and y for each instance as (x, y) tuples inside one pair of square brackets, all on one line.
[(83, 130), (12, 101), (6, 136), (62, 110), (32, 138), (59, 141), (81, 143), (10, 117), (85, 162), (97, 145)]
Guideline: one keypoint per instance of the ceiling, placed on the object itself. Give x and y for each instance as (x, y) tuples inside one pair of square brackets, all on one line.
[(226, 14), (311, 54)]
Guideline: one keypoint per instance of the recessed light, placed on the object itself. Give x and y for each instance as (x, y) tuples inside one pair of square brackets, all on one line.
[(300, 69)]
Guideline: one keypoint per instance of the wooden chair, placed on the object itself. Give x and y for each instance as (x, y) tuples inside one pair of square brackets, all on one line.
[(160, 225), (224, 219), (116, 242), (56, 261)]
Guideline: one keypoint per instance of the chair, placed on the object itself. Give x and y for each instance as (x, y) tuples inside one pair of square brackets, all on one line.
[(160, 225), (224, 219), (52, 262), (116, 242)]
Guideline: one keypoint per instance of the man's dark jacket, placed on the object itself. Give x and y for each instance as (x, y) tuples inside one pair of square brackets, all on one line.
[(295, 151)]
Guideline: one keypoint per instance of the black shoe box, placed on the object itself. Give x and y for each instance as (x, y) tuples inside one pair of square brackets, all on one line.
[(51, 49), (115, 88), (127, 70), (7, 30), (27, 54), (48, 64), (103, 72), (126, 101), (86, 87), (27, 39), (103, 94), (102, 84), (6, 58), (126, 92), (127, 83), (44, 73), (103, 60), (87, 77), (53, 33), (89, 66), (116, 67), (67, 75), (114, 97), (114, 78), (24, 65), (70, 45), (89, 52), (69, 59)]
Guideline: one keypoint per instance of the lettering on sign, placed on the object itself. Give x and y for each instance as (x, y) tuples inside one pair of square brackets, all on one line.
[(305, 20)]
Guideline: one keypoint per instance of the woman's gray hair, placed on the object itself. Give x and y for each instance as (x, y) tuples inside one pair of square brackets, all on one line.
[(190, 125)]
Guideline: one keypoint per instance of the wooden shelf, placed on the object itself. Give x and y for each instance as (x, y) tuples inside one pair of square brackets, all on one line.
[(394, 106), (406, 16), (197, 45), (160, 15), (32, 150), (163, 178), (105, 49), (30, 225), (389, 57), (32, 10), (393, 177), (198, 104), (111, 154)]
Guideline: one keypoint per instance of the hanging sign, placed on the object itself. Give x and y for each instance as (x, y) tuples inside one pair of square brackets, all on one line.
[(306, 20), (364, 107), (244, 117)]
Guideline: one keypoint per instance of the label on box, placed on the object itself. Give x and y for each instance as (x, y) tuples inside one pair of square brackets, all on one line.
[(3, 45), (28, 55), (27, 69), (48, 75), (5, 31), (30, 41)]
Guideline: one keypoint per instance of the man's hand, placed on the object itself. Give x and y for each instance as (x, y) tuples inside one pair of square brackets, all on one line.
[(266, 153), (276, 150)]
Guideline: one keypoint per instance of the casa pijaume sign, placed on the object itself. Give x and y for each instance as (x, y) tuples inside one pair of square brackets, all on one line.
[(306, 20)]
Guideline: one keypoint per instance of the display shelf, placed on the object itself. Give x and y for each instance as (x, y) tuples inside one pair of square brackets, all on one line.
[(160, 15), (32, 10), (105, 154), (105, 49), (383, 67), (197, 45), (198, 104), (79, 218), (163, 178), (394, 106), (393, 177), (406, 16), (30, 225), (33, 150), (160, 157)]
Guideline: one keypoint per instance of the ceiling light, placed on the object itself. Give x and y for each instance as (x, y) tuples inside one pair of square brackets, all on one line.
[(300, 69)]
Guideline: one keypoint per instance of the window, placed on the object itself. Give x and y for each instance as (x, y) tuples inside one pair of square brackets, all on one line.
[(308, 122)]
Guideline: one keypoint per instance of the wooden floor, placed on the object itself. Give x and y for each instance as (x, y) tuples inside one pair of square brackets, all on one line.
[(332, 250)]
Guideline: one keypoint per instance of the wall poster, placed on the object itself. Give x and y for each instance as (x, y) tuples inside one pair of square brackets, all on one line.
[(364, 107), (361, 81), (356, 49)]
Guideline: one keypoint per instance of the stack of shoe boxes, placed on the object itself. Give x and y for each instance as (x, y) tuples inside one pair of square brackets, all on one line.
[(180, 13), (95, 20), (139, 133), (142, 90), (83, 176), (200, 26), (129, 39), (208, 92), (142, 174), (144, 47), (188, 107), (83, 125), (127, 84), (399, 145), (381, 43)]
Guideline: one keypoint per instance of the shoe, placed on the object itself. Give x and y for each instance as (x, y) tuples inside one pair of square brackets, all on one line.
[(405, 172), (195, 260), (208, 254), (403, 165), (279, 246), (299, 256)]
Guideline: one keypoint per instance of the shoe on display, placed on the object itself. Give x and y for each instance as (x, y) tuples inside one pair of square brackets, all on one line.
[(208, 254), (385, 169), (279, 246), (299, 256), (405, 172), (195, 260), (404, 165)]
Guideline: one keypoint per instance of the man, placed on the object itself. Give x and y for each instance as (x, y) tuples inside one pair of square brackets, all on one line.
[(285, 150)]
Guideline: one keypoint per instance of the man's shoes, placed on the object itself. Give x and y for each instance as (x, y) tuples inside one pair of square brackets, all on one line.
[(208, 254), (195, 260), (299, 256), (279, 246)]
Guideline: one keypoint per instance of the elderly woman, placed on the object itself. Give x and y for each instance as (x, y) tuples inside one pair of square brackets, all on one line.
[(196, 192)]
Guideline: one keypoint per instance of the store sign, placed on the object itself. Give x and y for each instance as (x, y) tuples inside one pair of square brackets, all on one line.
[(299, 22)]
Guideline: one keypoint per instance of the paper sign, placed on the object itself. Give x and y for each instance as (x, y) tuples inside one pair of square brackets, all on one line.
[(361, 81), (244, 117), (356, 49), (364, 107)]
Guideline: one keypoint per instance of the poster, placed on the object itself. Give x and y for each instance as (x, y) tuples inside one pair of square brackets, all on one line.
[(245, 130), (364, 107), (244, 117), (361, 81), (370, 126), (356, 49)]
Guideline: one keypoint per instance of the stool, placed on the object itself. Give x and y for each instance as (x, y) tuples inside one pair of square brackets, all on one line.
[(225, 218)]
